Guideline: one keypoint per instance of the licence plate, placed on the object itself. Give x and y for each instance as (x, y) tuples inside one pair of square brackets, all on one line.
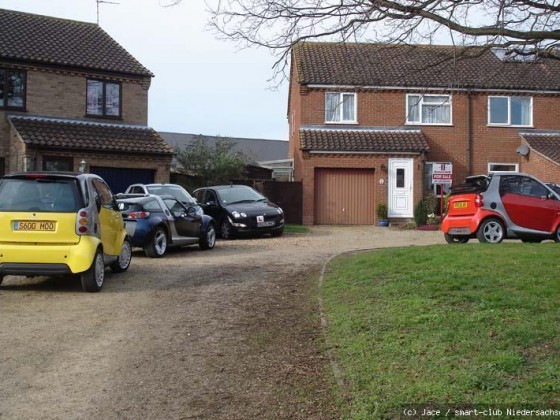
[(460, 205), (266, 224), (35, 226)]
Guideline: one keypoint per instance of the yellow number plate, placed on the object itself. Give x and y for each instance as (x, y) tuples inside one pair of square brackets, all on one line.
[(460, 205), (34, 226)]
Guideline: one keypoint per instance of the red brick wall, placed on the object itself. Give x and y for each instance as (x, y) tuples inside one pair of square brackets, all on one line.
[(63, 95), (379, 108), (541, 167)]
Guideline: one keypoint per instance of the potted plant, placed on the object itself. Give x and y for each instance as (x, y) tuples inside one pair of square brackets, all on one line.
[(382, 215)]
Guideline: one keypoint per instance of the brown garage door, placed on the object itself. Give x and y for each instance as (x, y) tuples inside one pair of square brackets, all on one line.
[(344, 196)]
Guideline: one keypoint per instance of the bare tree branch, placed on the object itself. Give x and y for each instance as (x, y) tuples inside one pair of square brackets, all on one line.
[(525, 27)]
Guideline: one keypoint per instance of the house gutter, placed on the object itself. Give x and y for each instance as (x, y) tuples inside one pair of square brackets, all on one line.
[(434, 89), (344, 152)]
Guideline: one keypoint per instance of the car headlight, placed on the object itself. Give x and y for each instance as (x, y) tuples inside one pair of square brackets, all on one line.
[(237, 215), (279, 210), (199, 211)]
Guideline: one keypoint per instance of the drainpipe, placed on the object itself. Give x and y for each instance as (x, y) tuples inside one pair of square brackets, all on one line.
[(469, 134)]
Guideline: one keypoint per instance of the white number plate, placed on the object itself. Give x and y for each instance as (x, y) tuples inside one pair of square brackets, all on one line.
[(266, 224)]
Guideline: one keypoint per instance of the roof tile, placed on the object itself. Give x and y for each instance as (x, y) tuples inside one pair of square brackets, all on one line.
[(419, 66), (547, 144), (68, 43), (363, 140), (84, 135)]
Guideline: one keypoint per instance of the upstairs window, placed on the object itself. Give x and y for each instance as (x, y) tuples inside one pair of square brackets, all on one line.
[(103, 99), (12, 89), (340, 107), (428, 109), (510, 111)]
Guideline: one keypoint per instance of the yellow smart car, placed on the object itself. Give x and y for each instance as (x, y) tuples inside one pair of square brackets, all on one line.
[(55, 223)]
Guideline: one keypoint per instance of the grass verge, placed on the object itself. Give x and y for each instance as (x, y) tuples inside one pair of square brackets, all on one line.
[(450, 326), (296, 229)]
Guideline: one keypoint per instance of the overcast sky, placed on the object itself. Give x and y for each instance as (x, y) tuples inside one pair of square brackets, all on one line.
[(202, 85)]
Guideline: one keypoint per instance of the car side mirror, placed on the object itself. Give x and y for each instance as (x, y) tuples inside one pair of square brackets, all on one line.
[(179, 214)]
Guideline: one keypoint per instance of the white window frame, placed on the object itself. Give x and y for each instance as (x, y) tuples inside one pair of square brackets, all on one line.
[(341, 108), (491, 164), (509, 124), (420, 104)]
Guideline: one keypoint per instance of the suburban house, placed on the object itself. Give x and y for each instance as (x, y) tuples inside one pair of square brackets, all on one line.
[(72, 98), (265, 153), (372, 123)]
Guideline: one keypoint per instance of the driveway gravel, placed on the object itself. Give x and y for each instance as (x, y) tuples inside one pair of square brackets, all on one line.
[(228, 333)]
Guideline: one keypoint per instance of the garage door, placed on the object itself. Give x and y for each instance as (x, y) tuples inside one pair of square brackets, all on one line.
[(344, 196), (120, 178)]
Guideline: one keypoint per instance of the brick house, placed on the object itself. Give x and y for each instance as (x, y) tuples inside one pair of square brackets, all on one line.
[(369, 123), (69, 96)]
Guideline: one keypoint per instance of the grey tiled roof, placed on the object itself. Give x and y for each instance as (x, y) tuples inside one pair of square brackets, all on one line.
[(60, 134), (258, 150), (419, 66), (37, 39), (546, 143), (363, 140)]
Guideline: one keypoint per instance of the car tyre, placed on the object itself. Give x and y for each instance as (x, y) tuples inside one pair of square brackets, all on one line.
[(454, 239), (157, 246), (557, 234), (94, 276), (123, 261), (491, 231), (208, 237), (226, 230)]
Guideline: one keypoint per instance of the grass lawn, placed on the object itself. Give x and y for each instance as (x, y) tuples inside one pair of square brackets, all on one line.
[(454, 326), (296, 229)]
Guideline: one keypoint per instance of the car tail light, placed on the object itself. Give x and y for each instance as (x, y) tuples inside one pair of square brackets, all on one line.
[(84, 222), (478, 201), (139, 214)]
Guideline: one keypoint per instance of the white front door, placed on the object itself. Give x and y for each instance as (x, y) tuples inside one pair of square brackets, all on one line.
[(400, 188)]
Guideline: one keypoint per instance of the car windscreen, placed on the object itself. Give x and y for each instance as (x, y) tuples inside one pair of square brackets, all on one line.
[(46, 195), (239, 195), (173, 190)]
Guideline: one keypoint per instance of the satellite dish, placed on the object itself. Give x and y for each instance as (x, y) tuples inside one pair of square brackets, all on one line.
[(523, 150)]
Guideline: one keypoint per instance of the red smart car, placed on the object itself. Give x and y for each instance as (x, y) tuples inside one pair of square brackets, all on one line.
[(502, 205)]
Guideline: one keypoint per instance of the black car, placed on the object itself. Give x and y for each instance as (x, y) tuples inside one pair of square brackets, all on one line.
[(240, 210)]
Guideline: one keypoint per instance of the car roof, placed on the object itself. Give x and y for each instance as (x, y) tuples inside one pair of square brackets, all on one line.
[(136, 198), (223, 187), (50, 174)]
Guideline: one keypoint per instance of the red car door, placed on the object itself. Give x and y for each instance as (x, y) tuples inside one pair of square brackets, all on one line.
[(528, 205)]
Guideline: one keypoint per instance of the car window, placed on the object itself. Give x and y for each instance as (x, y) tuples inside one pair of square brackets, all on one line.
[(522, 185), (153, 206), (137, 190), (48, 195), (174, 205), (198, 195), (210, 197), (104, 193), (173, 190), (239, 194)]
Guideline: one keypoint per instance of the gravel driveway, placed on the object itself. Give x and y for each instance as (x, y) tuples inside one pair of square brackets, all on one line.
[(228, 333)]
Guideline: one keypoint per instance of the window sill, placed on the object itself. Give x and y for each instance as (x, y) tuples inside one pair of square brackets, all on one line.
[(104, 117), (341, 122), (509, 126), (429, 124)]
